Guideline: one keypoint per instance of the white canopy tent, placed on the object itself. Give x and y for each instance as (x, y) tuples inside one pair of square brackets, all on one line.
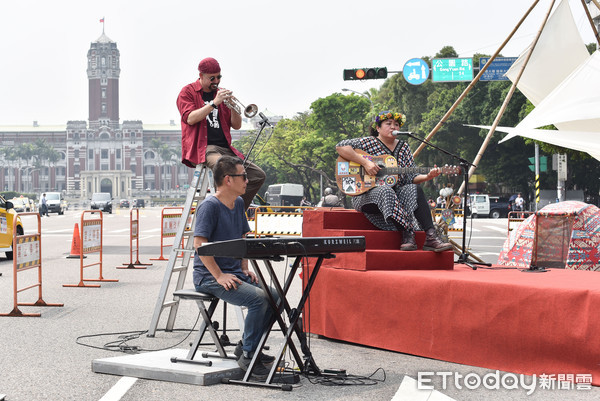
[(563, 81), (557, 53)]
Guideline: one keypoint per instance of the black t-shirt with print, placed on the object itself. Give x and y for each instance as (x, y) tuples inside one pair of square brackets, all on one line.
[(214, 129)]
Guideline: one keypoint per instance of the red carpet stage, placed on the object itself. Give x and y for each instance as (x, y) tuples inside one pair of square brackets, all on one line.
[(505, 319)]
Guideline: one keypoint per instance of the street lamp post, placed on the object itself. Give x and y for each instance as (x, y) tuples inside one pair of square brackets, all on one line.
[(29, 174), (360, 94)]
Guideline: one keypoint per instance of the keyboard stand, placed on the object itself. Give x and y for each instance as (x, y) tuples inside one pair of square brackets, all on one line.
[(306, 366)]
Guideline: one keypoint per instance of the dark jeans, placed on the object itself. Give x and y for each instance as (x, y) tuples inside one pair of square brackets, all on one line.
[(254, 298), (256, 177)]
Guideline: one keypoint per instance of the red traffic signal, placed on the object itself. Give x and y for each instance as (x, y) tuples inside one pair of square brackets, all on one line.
[(365, 73)]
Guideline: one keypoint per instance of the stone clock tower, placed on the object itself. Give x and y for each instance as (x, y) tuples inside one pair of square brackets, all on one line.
[(103, 75)]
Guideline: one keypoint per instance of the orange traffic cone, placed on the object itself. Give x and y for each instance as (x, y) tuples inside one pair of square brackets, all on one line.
[(75, 246)]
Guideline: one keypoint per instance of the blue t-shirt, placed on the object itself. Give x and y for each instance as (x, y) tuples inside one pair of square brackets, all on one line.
[(217, 222)]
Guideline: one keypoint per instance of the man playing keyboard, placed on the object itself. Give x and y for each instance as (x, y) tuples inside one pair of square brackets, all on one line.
[(222, 217)]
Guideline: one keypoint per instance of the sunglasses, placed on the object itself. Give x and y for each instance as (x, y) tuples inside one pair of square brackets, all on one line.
[(215, 77), (245, 175)]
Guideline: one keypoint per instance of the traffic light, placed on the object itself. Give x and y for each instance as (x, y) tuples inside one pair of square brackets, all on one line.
[(543, 163), (365, 73)]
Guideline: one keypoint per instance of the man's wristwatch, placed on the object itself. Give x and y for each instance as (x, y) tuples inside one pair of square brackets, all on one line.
[(213, 104)]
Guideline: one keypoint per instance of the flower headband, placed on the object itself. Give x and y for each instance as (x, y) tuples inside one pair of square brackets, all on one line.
[(386, 115)]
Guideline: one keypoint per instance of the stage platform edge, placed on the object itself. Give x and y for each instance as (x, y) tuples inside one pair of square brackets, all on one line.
[(157, 365)]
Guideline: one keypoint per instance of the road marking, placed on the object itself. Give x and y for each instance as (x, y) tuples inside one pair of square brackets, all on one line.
[(119, 389), (499, 229), (409, 390)]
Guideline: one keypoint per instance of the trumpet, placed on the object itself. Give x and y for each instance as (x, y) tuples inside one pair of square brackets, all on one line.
[(234, 104)]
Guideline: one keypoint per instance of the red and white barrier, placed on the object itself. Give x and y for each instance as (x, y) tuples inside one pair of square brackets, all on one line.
[(134, 230), (91, 242), (27, 254), (170, 218)]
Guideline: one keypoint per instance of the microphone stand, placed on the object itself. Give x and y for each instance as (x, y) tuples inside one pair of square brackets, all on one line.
[(464, 165), (263, 123)]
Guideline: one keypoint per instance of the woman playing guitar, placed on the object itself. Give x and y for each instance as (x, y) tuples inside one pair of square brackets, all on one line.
[(401, 206)]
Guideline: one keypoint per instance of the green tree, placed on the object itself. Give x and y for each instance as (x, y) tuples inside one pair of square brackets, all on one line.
[(165, 154), (302, 150)]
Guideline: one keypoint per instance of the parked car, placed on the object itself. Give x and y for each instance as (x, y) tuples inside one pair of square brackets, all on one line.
[(101, 201), (483, 205), (54, 201), (8, 213), (22, 204), (124, 204), (139, 203), (258, 203)]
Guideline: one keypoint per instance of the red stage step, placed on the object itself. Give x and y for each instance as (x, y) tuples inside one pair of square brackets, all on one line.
[(382, 247)]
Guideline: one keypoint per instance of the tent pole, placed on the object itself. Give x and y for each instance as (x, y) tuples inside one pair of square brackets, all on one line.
[(506, 100), (587, 12), (474, 81)]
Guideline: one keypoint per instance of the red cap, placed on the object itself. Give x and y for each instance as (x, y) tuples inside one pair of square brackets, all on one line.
[(209, 66)]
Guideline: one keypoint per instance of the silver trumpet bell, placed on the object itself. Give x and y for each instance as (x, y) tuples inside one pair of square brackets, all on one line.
[(234, 104)]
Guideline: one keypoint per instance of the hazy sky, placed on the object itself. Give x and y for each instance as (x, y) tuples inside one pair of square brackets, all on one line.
[(281, 55)]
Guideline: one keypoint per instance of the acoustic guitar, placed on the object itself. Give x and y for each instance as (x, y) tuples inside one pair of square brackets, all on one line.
[(353, 180)]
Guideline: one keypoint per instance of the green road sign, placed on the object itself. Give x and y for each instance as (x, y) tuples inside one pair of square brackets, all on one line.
[(452, 69)]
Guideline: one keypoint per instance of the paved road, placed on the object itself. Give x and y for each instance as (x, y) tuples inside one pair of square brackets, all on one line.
[(41, 360), (484, 238)]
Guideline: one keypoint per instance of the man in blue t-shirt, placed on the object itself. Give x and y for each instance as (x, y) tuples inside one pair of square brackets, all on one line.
[(219, 218)]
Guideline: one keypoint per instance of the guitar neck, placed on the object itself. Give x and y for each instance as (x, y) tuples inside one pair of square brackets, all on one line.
[(403, 170)]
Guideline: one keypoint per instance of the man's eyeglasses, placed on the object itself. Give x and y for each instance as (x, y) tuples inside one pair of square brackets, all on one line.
[(245, 175), (215, 77)]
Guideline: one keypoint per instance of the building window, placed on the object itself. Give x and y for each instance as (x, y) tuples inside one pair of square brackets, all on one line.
[(104, 154), (91, 154), (103, 93), (104, 167), (76, 154), (118, 155)]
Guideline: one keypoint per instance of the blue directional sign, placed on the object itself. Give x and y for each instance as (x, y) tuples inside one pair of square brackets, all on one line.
[(496, 71), (451, 69), (416, 71)]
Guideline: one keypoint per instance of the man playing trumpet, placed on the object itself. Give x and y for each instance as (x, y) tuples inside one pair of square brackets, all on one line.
[(206, 123)]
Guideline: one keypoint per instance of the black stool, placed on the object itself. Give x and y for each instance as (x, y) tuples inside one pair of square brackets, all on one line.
[(201, 298)]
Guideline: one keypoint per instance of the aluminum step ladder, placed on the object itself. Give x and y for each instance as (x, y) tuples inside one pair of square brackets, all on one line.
[(179, 258)]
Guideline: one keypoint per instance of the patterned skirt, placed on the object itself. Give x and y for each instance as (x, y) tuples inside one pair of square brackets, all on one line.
[(383, 205)]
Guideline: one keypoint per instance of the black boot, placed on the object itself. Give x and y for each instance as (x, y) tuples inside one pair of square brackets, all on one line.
[(434, 243), (408, 241)]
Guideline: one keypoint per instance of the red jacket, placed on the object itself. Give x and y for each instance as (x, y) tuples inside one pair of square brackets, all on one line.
[(194, 137)]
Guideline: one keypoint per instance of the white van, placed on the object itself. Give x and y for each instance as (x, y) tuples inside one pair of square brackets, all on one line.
[(285, 194), (55, 202)]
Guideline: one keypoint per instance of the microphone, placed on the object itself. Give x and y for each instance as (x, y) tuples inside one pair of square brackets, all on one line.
[(398, 133), (264, 118)]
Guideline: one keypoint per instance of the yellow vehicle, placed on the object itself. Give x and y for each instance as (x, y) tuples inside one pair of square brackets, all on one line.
[(22, 204), (7, 216)]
